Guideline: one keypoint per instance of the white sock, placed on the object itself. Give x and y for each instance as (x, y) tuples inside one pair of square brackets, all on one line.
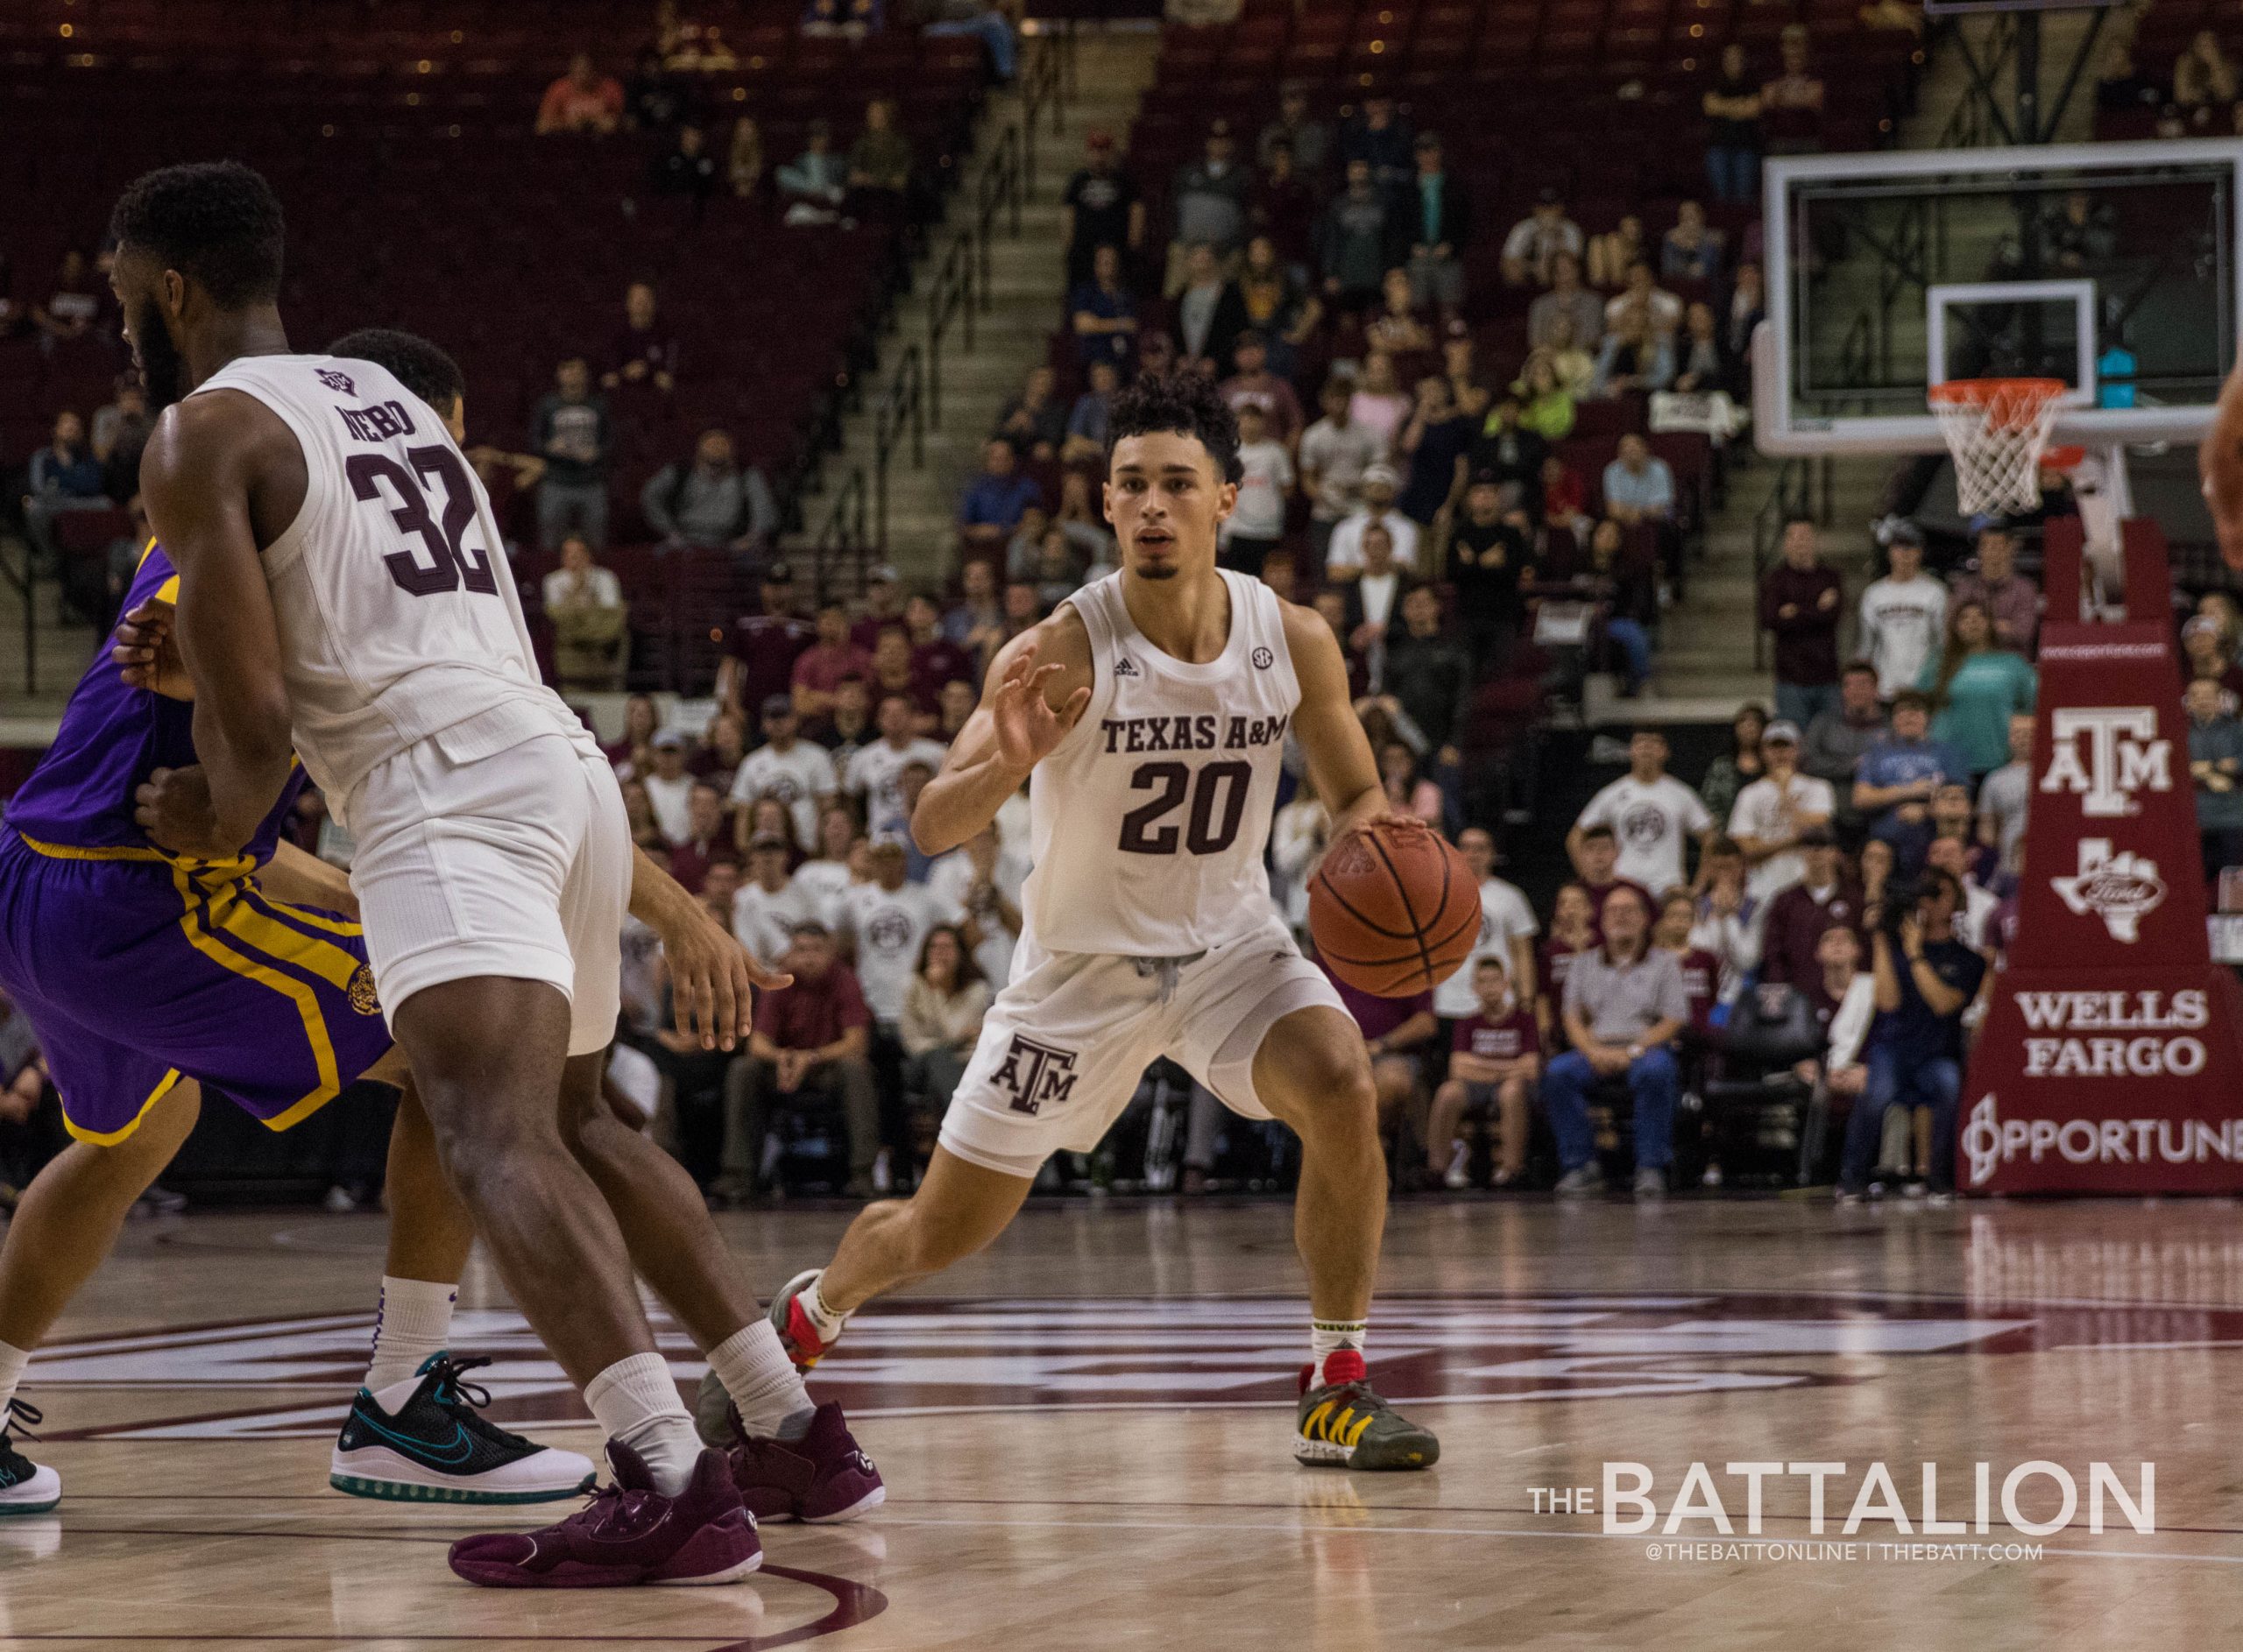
[(762, 1382), (1328, 1336), (12, 1361), (822, 1320), (413, 1320), (637, 1403)]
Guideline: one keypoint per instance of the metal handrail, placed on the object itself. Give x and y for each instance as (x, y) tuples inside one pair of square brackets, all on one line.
[(912, 401)]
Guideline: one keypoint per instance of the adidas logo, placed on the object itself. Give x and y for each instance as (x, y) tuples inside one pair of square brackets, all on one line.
[(1126, 667)]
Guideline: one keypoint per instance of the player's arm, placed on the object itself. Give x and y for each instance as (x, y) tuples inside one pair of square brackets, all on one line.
[(306, 880), (2220, 461), (1340, 766), (196, 477), (713, 977), (1036, 688)]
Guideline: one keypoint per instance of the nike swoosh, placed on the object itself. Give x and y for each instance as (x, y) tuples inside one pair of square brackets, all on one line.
[(421, 1451)]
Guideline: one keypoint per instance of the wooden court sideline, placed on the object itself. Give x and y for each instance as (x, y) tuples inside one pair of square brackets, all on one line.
[(1085, 1434)]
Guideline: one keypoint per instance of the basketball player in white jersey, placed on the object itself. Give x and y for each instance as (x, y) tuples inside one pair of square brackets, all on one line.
[(344, 593), (1150, 716)]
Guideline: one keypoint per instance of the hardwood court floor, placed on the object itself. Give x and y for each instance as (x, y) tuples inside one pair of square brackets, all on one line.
[(1084, 1437)]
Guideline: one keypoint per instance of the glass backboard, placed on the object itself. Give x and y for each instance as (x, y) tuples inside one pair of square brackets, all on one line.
[(2116, 267)]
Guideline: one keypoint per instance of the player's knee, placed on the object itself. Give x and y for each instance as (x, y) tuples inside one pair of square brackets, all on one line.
[(484, 1154)]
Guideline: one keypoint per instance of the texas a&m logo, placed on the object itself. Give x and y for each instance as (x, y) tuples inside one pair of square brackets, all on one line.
[(1034, 1074), (2105, 754)]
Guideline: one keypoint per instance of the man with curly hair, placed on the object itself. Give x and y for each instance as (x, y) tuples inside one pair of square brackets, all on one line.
[(1149, 715)]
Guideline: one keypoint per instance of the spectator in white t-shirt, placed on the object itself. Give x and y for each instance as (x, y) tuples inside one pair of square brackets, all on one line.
[(769, 904), (797, 772), (1256, 523), (887, 922), (1652, 814), (828, 876), (1507, 931), (1343, 559), (1904, 615), (984, 882), (669, 787), (1773, 812), (875, 773), (1532, 248), (1335, 453)]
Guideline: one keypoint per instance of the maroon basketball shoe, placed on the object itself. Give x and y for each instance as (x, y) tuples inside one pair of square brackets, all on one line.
[(821, 1478), (628, 1534)]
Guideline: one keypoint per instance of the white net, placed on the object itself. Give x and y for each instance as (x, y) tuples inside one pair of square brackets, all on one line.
[(1997, 428)]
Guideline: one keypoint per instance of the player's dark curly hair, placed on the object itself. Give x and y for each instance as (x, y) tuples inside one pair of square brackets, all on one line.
[(216, 223), (410, 359), (1178, 404)]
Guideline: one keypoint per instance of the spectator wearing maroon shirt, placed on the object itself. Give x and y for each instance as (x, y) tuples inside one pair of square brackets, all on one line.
[(1596, 855), (1494, 1057), (1398, 1032), (893, 674), (706, 840), (641, 721), (1802, 602), (1255, 384), (810, 1043), (1572, 932), (1678, 915), (935, 658), (819, 670), (759, 658), (884, 605), (1798, 916)]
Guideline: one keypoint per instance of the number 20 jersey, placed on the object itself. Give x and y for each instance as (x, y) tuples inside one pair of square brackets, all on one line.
[(398, 614), (1149, 821)]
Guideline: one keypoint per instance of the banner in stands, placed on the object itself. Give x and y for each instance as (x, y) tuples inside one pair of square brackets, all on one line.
[(2111, 1060)]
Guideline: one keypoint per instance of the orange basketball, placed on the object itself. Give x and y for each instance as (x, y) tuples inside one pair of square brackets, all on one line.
[(1394, 908)]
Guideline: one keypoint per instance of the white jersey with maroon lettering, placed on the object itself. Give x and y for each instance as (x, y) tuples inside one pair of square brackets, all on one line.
[(398, 614), (1149, 819)]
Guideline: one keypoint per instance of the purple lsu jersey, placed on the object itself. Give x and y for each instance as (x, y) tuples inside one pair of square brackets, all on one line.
[(137, 967)]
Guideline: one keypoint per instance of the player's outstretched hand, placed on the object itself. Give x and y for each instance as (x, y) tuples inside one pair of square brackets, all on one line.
[(713, 981), (1027, 729), (172, 806), (145, 650)]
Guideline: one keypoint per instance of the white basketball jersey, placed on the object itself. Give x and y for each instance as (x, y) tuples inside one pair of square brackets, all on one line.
[(1149, 819), (398, 613)]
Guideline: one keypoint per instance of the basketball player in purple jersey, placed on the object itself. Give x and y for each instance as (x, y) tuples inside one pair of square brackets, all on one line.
[(147, 975), (343, 597)]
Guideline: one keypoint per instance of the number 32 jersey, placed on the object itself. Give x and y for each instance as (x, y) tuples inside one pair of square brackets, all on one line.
[(398, 614), (1149, 819)]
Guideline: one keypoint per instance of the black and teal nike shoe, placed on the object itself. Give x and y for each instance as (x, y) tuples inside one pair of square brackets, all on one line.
[(25, 1488), (437, 1447)]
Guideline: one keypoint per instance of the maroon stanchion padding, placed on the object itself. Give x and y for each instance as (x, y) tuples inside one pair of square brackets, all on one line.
[(2111, 1057)]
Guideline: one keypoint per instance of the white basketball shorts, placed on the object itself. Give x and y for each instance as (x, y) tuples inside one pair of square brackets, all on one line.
[(1064, 1046), (516, 864)]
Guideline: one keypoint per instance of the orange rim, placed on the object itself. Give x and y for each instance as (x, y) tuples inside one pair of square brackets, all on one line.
[(2010, 404)]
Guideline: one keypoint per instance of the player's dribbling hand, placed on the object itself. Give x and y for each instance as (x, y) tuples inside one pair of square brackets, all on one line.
[(146, 651), (1027, 729), (713, 981), (172, 806)]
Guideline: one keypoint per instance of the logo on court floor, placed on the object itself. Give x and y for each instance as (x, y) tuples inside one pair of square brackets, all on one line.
[(1035, 1074), (264, 1379)]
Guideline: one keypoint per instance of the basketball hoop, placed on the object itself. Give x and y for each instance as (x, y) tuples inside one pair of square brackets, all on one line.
[(1997, 428)]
